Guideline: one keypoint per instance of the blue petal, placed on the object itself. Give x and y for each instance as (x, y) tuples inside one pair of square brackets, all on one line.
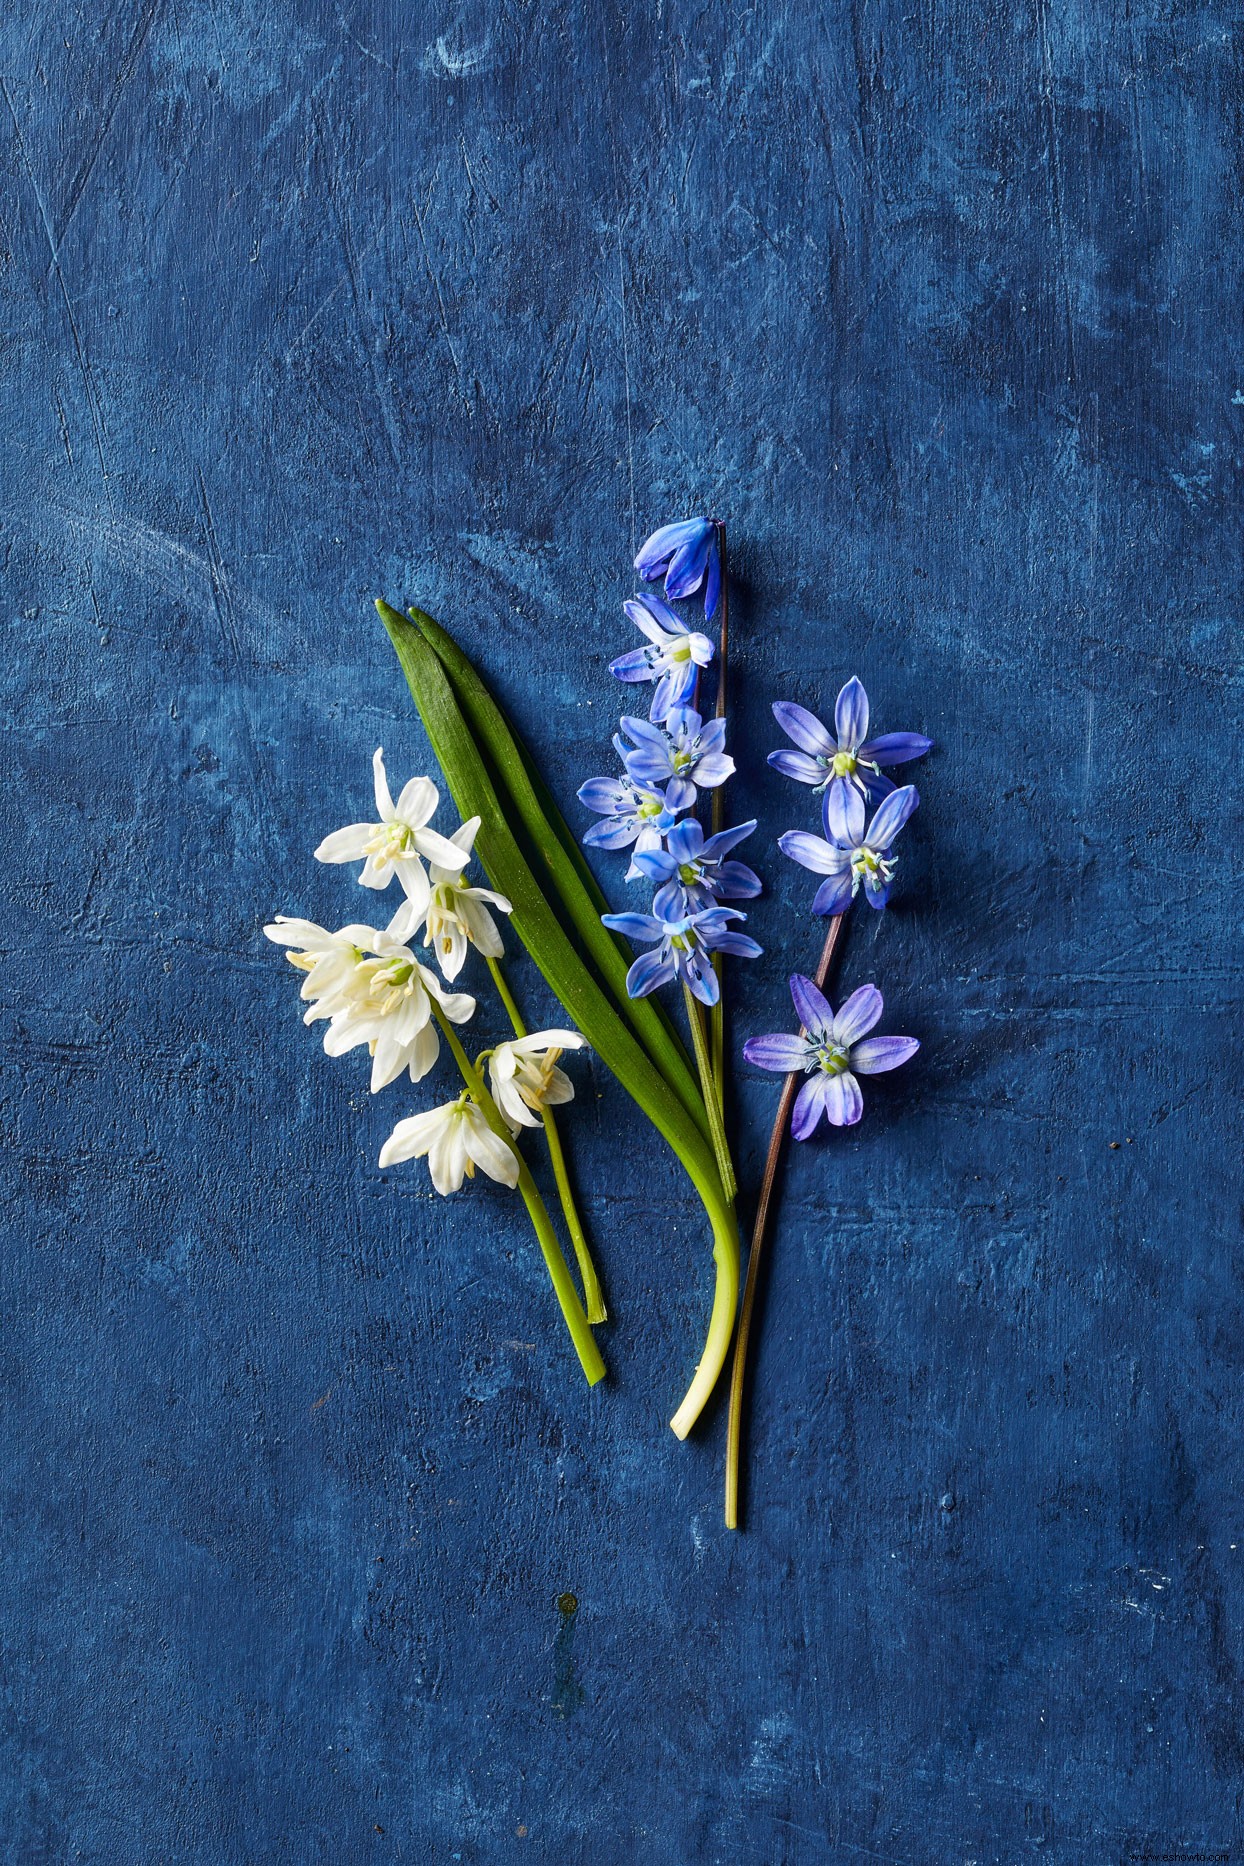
[(679, 793), (643, 732), (877, 1054), (651, 765), (713, 769), (687, 566), (891, 816), (844, 814), (781, 1053), (895, 748), (737, 943), (735, 881), (877, 891), (713, 736), (696, 969), (874, 784), (664, 696), (648, 971), (604, 795), (804, 728), (614, 833), (858, 1015), (812, 1007), (686, 840), (851, 715), (727, 839), (843, 1102), (815, 853), (655, 618), (634, 926), (655, 864), (809, 1107), (798, 765), (635, 665), (655, 554), (712, 582), (834, 896)]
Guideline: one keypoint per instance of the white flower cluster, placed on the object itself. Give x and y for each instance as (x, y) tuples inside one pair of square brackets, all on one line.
[(376, 993)]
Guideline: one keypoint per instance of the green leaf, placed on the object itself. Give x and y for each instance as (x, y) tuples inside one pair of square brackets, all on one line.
[(521, 784), (533, 919)]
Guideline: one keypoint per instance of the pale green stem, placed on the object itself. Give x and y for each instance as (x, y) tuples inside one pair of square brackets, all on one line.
[(712, 1099), (563, 1283), (721, 1322), (592, 1296)]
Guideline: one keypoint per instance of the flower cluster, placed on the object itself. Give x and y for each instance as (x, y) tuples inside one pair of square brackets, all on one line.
[(374, 992), (833, 1049), (667, 760)]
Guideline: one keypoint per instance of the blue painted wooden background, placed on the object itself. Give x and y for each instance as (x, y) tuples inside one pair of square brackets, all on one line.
[(940, 305)]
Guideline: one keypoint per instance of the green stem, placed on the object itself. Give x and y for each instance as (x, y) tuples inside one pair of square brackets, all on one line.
[(563, 1283), (712, 1099), (721, 1322), (592, 1296)]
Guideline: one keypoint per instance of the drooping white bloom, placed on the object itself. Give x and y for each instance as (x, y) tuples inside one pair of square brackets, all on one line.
[(456, 1139), (330, 960), (374, 991), (524, 1077), (395, 844), (455, 916), (389, 1008)]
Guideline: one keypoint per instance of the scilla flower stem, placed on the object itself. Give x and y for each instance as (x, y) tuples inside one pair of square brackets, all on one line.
[(734, 1429), (563, 1283), (592, 1296), (717, 1017), (712, 1097)]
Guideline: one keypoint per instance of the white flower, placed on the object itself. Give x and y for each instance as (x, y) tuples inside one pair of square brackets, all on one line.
[(389, 1008), (455, 916), (524, 1075), (330, 960), (394, 845), (373, 991), (456, 1138)]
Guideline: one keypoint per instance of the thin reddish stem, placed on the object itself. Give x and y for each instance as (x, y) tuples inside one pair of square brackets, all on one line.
[(738, 1373)]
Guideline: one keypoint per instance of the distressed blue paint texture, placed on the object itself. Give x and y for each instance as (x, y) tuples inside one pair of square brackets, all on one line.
[(942, 305)]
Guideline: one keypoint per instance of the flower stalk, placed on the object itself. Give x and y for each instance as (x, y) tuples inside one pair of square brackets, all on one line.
[(593, 1298), (717, 1017), (712, 1095), (563, 1283), (738, 1372)]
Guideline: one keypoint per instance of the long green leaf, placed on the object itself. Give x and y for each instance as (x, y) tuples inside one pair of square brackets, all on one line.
[(533, 919), (567, 867)]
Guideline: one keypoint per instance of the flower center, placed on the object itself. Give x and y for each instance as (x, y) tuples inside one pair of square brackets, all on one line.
[(390, 841), (843, 764), (682, 761), (690, 874), (830, 1058), (648, 807), (866, 864)]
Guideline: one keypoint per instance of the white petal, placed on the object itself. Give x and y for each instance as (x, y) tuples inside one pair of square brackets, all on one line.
[(482, 929), (540, 1040), (494, 1155), (441, 850), (346, 845), (384, 799), (465, 834), (412, 1137), (414, 879), (423, 1052), (447, 1156), (558, 1089), (417, 803)]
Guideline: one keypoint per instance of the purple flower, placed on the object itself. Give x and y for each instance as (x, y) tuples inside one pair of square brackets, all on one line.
[(852, 761), (691, 869), (673, 657), (829, 1051), (683, 945), (688, 554), (686, 754), (851, 856)]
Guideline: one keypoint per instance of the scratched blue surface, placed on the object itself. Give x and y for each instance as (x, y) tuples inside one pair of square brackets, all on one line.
[(940, 305)]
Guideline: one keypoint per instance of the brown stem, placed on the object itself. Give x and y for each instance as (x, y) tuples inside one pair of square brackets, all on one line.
[(734, 1429)]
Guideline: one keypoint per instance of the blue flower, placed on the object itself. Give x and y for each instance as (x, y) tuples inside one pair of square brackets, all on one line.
[(673, 657), (692, 871), (683, 947), (685, 755), (851, 760), (851, 856), (829, 1052), (632, 813), (688, 554)]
